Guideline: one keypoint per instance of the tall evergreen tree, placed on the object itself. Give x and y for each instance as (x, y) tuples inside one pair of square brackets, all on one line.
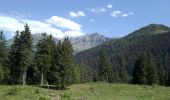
[(162, 74), (123, 73), (85, 73), (43, 57), (65, 62), (152, 73), (3, 53), (25, 51), (14, 58), (3, 59), (105, 68), (53, 73), (140, 70)]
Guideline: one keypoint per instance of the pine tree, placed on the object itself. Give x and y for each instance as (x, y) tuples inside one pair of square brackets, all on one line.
[(85, 73), (53, 73), (3, 59), (65, 62), (140, 70), (3, 53), (14, 59), (25, 52), (105, 68), (152, 72), (43, 57), (123, 73), (161, 74)]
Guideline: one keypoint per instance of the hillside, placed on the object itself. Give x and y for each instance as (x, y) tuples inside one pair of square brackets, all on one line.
[(89, 91), (153, 39)]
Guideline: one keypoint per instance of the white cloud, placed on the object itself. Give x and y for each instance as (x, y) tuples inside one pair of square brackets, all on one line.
[(116, 13), (92, 20), (109, 6), (77, 14), (64, 23), (124, 15), (98, 10), (57, 26)]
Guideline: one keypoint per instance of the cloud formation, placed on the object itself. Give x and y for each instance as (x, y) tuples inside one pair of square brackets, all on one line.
[(77, 14), (57, 26), (98, 10), (109, 6), (118, 13)]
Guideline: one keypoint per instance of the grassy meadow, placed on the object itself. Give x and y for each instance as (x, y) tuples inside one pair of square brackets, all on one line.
[(88, 91)]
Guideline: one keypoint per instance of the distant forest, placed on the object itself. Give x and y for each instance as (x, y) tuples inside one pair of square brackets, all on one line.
[(51, 63)]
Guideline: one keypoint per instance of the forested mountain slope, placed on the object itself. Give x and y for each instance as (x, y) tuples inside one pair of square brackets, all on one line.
[(153, 39)]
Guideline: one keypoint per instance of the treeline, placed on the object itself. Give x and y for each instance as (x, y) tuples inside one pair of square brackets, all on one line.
[(51, 63), (46, 63)]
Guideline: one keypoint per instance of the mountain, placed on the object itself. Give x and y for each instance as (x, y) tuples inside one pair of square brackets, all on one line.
[(88, 41), (81, 43), (153, 39)]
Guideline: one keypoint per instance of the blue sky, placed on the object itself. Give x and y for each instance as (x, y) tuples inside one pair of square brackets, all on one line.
[(112, 18)]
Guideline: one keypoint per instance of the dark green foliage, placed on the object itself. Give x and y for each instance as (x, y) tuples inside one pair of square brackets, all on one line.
[(43, 57), (53, 74), (152, 73), (162, 74), (85, 73), (153, 39), (105, 68), (145, 71), (4, 71), (65, 62), (25, 50), (14, 59), (3, 53), (123, 73), (140, 70)]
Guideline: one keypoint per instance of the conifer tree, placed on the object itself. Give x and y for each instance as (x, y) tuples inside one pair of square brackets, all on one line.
[(3, 58), (25, 51), (140, 70), (65, 62), (85, 73), (43, 57), (3, 53), (123, 73), (14, 59), (152, 73), (105, 68)]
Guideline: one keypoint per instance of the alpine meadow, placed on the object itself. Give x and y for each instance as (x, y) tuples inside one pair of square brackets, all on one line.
[(84, 50)]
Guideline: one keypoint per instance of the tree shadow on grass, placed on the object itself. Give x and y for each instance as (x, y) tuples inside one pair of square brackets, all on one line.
[(53, 87)]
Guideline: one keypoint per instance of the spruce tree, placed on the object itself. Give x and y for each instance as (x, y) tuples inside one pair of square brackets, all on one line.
[(53, 73), (3, 59), (65, 62), (105, 68), (123, 73), (25, 51), (140, 70), (85, 73), (14, 59), (162, 74), (152, 73), (43, 57), (3, 53)]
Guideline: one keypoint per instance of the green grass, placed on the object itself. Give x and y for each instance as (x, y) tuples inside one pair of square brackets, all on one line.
[(89, 91)]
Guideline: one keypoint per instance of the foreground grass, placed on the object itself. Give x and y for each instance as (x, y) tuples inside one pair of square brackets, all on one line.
[(89, 91)]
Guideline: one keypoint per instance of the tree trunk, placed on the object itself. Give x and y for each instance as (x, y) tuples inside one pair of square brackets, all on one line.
[(24, 77), (42, 78)]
